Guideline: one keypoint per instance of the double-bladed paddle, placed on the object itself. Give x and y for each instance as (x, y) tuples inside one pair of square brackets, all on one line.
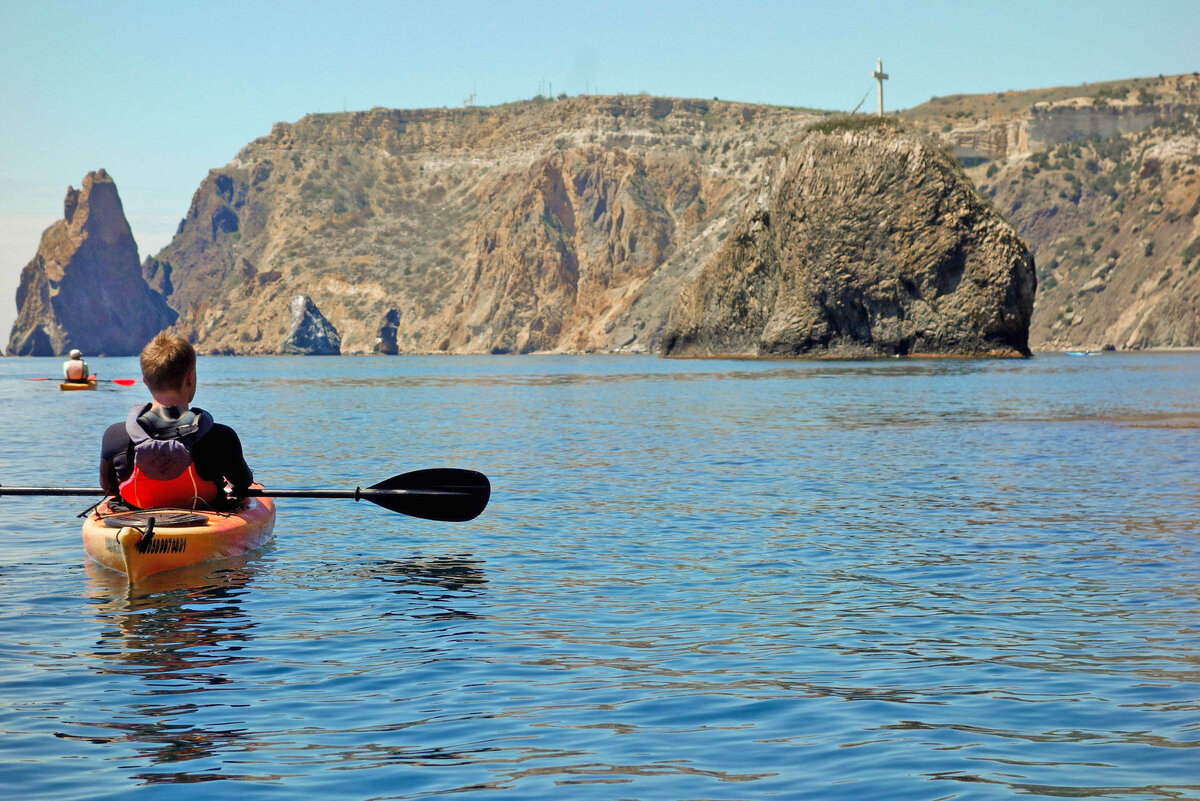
[(440, 493), (125, 382)]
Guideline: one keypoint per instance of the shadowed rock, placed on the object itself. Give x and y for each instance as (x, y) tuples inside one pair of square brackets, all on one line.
[(385, 343), (864, 242), (310, 333)]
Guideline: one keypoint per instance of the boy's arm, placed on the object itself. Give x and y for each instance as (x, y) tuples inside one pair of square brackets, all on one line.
[(115, 441), (222, 457)]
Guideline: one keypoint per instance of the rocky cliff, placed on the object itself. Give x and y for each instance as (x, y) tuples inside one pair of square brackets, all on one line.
[(864, 241), (84, 288), (1103, 183), (573, 224), (560, 225)]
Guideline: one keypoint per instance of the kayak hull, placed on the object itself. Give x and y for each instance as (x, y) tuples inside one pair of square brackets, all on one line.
[(67, 386), (219, 536)]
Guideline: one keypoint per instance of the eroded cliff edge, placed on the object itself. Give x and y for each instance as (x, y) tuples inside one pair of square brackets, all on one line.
[(865, 240), (551, 226), (1102, 182)]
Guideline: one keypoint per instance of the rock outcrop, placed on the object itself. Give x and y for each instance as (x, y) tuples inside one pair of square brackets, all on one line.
[(866, 241), (385, 341), (84, 288), (309, 334)]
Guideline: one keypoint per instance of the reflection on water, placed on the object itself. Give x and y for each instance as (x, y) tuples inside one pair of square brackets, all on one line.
[(161, 626), (186, 635), (452, 573), (442, 583), (895, 579), (181, 634)]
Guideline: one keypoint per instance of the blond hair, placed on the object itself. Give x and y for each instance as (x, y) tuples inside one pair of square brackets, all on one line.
[(166, 360)]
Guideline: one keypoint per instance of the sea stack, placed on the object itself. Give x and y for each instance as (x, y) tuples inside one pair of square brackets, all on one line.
[(84, 288), (865, 241), (385, 341), (310, 334)]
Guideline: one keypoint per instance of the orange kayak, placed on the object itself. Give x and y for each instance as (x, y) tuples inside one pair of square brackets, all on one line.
[(179, 537), (67, 385)]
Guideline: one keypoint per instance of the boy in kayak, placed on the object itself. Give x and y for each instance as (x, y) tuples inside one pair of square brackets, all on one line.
[(75, 369), (167, 453)]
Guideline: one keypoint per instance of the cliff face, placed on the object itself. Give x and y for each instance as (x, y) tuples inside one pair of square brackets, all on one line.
[(1115, 228), (542, 226), (864, 242), (572, 225), (559, 260), (1103, 183), (84, 288)]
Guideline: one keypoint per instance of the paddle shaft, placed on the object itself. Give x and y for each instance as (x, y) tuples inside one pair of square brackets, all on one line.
[(446, 494), (354, 494), (51, 491)]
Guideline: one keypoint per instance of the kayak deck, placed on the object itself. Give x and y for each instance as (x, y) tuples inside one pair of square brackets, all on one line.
[(73, 385), (207, 536)]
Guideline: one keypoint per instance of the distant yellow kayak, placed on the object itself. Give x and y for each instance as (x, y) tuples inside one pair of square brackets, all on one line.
[(70, 385)]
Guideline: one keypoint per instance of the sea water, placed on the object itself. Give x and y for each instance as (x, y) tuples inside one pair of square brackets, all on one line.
[(897, 579)]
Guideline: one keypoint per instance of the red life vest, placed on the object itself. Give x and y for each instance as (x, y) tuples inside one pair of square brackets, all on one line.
[(186, 491), (164, 469)]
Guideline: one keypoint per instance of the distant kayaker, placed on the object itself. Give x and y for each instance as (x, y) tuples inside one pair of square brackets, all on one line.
[(75, 369), (167, 453)]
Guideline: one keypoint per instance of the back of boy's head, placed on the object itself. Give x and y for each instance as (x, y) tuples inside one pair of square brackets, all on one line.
[(166, 361)]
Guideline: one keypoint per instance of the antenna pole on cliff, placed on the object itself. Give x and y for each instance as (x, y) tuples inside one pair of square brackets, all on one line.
[(880, 76)]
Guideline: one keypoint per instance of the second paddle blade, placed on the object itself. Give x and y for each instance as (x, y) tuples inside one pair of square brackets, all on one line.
[(440, 493)]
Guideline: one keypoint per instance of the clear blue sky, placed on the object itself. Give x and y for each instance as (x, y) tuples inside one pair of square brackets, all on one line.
[(158, 93)]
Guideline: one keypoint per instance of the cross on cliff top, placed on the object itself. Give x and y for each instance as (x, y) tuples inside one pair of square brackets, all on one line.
[(880, 76)]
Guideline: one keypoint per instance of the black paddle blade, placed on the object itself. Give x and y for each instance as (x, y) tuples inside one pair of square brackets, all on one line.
[(440, 493)]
